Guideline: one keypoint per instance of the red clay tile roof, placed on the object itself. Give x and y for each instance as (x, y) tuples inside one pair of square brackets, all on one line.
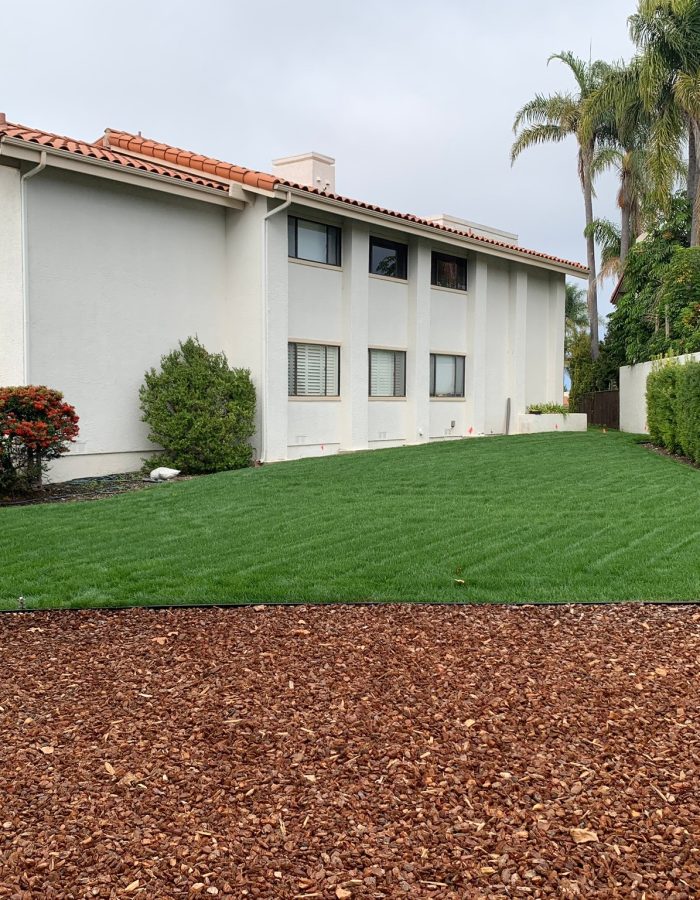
[(137, 144), (93, 151), (134, 143), (126, 144)]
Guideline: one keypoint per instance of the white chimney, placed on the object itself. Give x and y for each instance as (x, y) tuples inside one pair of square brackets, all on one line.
[(446, 221), (310, 169)]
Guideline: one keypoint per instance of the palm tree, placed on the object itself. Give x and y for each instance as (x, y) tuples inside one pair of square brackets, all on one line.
[(646, 180), (667, 33), (576, 318), (554, 118), (608, 238)]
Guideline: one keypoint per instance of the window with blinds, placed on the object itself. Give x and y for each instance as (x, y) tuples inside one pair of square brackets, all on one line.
[(446, 375), (313, 370), (387, 373)]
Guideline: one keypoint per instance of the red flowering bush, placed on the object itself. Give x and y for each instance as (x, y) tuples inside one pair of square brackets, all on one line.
[(36, 425)]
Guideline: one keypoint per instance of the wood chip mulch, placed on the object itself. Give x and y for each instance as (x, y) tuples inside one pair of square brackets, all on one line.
[(342, 752)]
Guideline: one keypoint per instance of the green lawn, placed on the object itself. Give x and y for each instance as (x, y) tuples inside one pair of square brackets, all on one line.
[(558, 517)]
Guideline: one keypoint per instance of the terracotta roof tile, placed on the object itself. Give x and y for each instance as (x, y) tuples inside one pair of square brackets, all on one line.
[(268, 182), (100, 152), (116, 146), (136, 144)]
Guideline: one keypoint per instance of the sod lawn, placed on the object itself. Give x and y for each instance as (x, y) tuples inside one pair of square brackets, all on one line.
[(554, 517)]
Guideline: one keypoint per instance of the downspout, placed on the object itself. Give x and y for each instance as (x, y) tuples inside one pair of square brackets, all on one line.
[(41, 165), (265, 389)]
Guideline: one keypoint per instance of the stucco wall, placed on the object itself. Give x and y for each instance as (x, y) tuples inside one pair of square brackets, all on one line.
[(388, 312), (117, 276), (497, 340), (315, 302), (536, 388), (451, 332), (11, 301), (314, 427), (449, 312), (387, 421), (244, 286), (633, 389), (506, 325)]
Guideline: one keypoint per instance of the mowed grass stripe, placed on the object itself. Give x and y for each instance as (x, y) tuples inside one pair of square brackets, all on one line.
[(545, 517)]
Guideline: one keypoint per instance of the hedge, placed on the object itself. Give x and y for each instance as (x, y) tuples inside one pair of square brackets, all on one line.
[(200, 411), (673, 407), (662, 384), (688, 410)]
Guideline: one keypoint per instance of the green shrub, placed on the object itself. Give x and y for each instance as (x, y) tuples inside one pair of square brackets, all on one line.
[(679, 300), (548, 408), (199, 410), (587, 375), (688, 409), (673, 408), (662, 384)]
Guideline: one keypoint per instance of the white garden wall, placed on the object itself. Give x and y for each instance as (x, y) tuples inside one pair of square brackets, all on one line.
[(633, 389), (534, 423)]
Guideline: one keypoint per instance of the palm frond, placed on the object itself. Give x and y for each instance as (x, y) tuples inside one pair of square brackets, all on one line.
[(666, 138), (686, 91), (537, 134), (606, 158), (555, 108), (610, 268), (578, 67), (575, 306), (605, 233)]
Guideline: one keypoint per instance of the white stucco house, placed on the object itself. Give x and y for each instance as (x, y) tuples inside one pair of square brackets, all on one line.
[(362, 327)]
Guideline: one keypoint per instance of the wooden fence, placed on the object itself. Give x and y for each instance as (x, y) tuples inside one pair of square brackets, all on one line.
[(601, 407)]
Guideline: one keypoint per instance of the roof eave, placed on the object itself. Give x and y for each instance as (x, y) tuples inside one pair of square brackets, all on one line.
[(68, 160), (315, 199)]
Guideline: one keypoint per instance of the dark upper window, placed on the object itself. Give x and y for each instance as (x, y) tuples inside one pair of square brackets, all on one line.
[(449, 271), (314, 241), (446, 375), (387, 258)]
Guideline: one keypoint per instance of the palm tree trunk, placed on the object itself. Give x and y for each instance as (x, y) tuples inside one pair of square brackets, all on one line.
[(692, 163), (694, 179), (586, 181), (626, 218)]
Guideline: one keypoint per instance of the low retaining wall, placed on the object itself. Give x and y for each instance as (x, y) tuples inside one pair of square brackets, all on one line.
[(532, 423)]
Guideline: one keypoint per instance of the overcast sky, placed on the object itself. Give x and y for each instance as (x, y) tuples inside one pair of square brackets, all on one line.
[(415, 100)]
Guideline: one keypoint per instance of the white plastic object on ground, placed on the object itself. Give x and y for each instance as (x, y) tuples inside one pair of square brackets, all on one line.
[(163, 473)]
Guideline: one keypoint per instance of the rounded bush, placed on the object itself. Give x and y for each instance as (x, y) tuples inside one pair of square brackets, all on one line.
[(36, 425), (200, 411)]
